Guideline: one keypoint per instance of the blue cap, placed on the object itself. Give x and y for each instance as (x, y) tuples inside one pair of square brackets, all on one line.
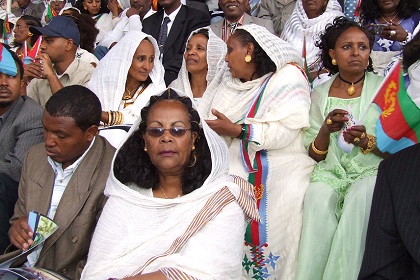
[(7, 63), (59, 26)]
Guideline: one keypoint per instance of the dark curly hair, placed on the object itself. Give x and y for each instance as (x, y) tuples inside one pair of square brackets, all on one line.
[(369, 9), (261, 59), (411, 52), (133, 165), (329, 37), (202, 31), (30, 21), (87, 29)]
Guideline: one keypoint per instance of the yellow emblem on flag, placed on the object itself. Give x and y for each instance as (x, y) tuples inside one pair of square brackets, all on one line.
[(390, 99)]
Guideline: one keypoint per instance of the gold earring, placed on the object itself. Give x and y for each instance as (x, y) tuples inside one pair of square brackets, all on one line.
[(193, 148), (30, 34), (194, 156), (334, 62), (145, 149), (248, 58)]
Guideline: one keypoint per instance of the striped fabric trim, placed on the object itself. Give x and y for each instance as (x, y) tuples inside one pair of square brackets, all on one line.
[(247, 199), (210, 210), (176, 274)]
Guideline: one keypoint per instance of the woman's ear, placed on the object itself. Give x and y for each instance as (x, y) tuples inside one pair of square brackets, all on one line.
[(331, 52), (250, 49)]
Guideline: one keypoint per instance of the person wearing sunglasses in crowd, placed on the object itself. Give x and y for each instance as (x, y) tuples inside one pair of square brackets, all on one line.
[(171, 198)]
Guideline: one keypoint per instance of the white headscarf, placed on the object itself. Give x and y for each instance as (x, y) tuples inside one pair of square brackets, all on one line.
[(150, 225), (216, 52), (109, 78), (299, 25), (279, 51)]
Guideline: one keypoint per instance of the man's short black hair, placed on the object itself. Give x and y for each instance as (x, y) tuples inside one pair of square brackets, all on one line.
[(77, 102)]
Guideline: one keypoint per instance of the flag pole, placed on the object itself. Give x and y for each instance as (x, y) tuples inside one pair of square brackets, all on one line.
[(9, 6)]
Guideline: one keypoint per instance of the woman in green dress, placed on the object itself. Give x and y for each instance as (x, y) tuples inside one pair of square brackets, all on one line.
[(337, 202)]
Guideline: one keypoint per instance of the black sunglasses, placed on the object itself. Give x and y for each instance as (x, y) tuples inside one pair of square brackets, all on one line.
[(175, 131)]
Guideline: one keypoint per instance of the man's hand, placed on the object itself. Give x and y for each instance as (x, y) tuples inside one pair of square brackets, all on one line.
[(20, 234)]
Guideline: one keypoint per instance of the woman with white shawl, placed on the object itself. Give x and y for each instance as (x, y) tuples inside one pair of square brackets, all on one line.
[(198, 74), (190, 228), (123, 93), (302, 30), (261, 109)]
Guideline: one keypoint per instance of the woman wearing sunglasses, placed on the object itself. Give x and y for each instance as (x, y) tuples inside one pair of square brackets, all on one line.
[(126, 78), (173, 211)]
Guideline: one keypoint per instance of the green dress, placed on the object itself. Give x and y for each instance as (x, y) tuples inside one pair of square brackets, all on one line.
[(337, 202)]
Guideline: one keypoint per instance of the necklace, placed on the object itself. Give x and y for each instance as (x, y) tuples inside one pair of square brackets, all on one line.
[(129, 94), (391, 20), (351, 89), (164, 194)]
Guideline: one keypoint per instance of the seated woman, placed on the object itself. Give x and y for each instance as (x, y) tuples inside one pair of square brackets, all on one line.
[(105, 19), (411, 64), (393, 23), (203, 66), (261, 109), (308, 19), (173, 211), (337, 202), (125, 79), (24, 40)]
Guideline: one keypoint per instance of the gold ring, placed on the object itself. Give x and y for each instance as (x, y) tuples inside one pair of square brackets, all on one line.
[(356, 140), (363, 135), (329, 121)]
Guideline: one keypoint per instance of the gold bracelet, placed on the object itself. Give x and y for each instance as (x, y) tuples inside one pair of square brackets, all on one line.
[(319, 152), (109, 118), (370, 145)]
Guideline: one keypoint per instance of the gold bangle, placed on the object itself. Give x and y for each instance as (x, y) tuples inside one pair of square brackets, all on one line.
[(109, 118), (319, 152), (370, 145)]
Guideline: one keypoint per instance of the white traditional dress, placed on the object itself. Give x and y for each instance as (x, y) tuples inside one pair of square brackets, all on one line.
[(275, 109), (196, 236), (109, 78)]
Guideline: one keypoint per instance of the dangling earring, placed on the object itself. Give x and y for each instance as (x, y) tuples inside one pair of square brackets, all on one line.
[(248, 58), (334, 62), (194, 157), (145, 149), (30, 34)]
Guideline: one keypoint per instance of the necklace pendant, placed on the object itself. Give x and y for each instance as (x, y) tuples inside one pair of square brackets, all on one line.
[(351, 90)]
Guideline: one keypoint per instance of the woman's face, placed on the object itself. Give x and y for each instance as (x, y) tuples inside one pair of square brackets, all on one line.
[(170, 154), (21, 31), (235, 58), (92, 6), (196, 54), (57, 5), (351, 51), (143, 61), (314, 8), (388, 5)]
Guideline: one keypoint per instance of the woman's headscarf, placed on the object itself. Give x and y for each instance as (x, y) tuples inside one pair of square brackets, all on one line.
[(172, 215), (109, 78), (299, 25), (216, 52), (279, 51)]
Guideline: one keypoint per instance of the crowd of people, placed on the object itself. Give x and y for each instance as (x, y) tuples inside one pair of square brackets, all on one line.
[(178, 139)]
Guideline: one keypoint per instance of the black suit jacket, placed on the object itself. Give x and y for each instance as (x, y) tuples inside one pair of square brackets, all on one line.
[(393, 239), (186, 21)]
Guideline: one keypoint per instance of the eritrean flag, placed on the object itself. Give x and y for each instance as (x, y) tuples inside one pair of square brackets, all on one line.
[(6, 30), (399, 123), (50, 12), (30, 53)]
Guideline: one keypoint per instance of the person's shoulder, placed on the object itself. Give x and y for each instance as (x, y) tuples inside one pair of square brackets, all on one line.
[(404, 158), (194, 12), (37, 153)]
